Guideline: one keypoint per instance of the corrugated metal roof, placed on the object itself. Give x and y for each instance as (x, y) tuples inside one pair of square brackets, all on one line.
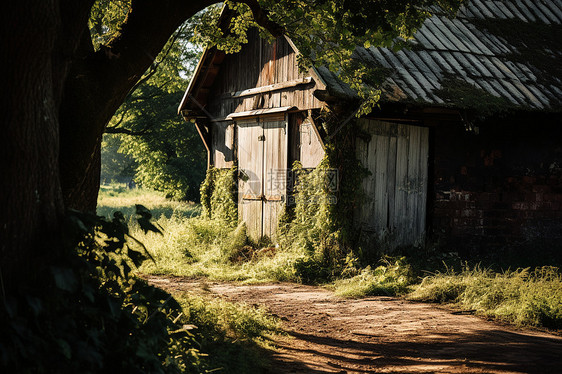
[(498, 47)]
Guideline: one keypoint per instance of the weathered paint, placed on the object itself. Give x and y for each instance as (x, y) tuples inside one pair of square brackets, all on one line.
[(395, 194), (262, 163)]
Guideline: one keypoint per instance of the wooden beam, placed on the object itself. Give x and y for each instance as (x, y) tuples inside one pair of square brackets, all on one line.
[(316, 130), (205, 135), (268, 88)]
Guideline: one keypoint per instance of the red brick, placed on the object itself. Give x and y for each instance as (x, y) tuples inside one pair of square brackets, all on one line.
[(530, 197), (529, 180), (542, 188)]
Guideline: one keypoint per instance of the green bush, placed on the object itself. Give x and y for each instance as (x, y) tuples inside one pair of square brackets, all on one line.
[(218, 195), (90, 314)]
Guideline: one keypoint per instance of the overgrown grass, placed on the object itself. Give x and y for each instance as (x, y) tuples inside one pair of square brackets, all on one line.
[(114, 197), (392, 278), (199, 247), (524, 297), (196, 246), (234, 335)]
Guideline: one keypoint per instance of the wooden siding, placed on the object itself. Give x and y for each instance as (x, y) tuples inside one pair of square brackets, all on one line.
[(222, 144), (250, 166), (311, 150), (262, 161), (394, 206), (260, 64), (275, 170)]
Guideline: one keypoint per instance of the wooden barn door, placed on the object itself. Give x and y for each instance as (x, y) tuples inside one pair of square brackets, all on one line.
[(262, 161), (393, 211), (250, 165)]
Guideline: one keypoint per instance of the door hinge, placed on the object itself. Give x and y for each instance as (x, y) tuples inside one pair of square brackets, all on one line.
[(261, 138)]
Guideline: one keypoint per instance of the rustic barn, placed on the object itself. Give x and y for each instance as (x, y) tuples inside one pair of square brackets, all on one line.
[(466, 145)]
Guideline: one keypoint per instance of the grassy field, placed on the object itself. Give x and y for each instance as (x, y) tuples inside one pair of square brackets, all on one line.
[(524, 297), (116, 197), (197, 247)]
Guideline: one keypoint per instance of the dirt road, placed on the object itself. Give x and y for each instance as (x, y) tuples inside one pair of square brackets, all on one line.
[(382, 334)]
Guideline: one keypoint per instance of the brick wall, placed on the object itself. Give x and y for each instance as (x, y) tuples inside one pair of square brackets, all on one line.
[(501, 186)]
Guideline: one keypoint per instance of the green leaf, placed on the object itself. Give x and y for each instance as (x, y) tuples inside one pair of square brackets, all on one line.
[(143, 211), (65, 279), (137, 257), (64, 347)]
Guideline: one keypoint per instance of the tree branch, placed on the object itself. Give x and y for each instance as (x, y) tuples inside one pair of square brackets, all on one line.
[(261, 17), (99, 82), (113, 130)]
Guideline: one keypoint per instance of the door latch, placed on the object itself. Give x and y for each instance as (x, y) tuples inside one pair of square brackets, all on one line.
[(261, 138)]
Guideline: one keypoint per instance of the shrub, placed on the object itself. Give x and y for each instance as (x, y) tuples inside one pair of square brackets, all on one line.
[(91, 315), (524, 296)]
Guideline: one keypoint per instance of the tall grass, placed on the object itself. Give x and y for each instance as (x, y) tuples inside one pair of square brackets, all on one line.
[(199, 247), (523, 297), (114, 197), (234, 335), (195, 246), (391, 278)]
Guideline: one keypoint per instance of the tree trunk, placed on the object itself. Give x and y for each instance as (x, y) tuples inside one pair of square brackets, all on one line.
[(30, 193), (57, 97)]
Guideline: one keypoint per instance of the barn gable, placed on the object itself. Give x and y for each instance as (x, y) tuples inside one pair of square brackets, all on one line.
[(262, 75)]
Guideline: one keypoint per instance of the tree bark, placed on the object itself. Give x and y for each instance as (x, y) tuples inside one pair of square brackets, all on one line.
[(30, 193)]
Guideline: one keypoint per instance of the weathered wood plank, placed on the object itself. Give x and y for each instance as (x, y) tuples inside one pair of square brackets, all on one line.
[(401, 211), (423, 167), (250, 164), (391, 178), (414, 187), (269, 88), (275, 162), (311, 150), (380, 211)]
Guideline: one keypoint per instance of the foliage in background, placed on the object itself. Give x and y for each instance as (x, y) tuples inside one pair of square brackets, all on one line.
[(524, 296), (116, 166), (219, 195), (146, 132), (119, 198), (170, 157)]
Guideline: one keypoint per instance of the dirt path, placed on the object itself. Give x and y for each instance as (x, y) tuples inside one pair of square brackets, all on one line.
[(383, 334)]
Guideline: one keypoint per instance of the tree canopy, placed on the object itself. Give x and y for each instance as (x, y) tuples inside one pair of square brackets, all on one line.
[(146, 140)]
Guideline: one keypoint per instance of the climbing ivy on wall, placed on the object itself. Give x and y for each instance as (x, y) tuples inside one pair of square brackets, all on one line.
[(321, 219), (218, 195)]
